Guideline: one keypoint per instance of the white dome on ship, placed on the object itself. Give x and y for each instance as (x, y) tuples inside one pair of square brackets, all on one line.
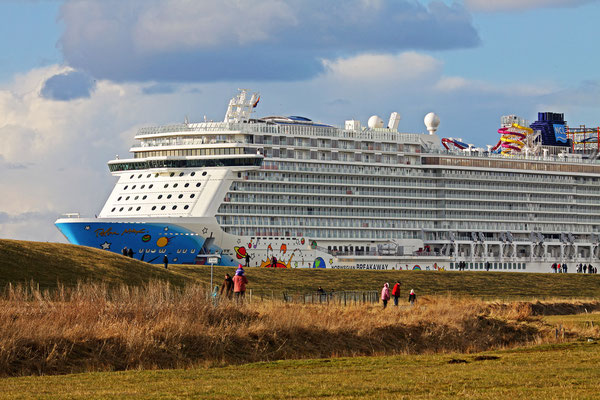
[(432, 121), (375, 122)]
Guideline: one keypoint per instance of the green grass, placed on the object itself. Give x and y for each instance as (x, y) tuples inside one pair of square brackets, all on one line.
[(48, 263), (489, 285), (553, 371)]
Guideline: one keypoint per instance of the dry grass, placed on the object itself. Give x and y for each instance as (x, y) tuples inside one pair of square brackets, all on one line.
[(97, 327)]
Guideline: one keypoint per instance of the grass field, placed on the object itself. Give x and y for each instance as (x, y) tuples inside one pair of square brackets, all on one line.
[(50, 263), (568, 371), (132, 315)]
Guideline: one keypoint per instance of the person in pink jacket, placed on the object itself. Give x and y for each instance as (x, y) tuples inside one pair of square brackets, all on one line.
[(239, 284), (385, 294)]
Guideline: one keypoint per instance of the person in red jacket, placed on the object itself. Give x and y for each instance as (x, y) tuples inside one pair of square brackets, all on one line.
[(396, 292), (239, 285)]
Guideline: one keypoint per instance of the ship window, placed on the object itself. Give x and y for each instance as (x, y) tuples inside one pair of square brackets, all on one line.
[(113, 210), (148, 176), (139, 176), (160, 196), (181, 174), (150, 187), (131, 177), (174, 207), (120, 209), (153, 208), (175, 185), (186, 185), (166, 185), (119, 199), (204, 173), (172, 174), (186, 207), (143, 186), (136, 197), (125, 188), (192, 174), (130, 208), (198, 184), (192, 195), (144, 198), (168, 196), (162, 208), (126, 198), (133, 187), (138, 209)]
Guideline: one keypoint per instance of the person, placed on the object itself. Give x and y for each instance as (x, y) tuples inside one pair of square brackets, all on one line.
[(239, 285), (553, 267), (322, 294), (412, 297), (487, 265), (124, 251), (274, 262), (385, 294), (166, 261), (565, 268), (227, 287), (247, 260), (130, 252), (396, 292), (584, 268)]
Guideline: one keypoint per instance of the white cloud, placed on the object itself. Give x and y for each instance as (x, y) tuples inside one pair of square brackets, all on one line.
[(512, 5), (403, 67)]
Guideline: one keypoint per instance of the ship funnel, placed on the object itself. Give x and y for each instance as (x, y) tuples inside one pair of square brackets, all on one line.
[(394, 121), (432, 121)]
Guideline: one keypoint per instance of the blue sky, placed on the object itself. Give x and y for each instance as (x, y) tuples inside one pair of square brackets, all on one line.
[(79, 77)]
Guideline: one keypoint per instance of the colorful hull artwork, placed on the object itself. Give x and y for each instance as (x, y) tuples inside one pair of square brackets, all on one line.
[(150, 242)]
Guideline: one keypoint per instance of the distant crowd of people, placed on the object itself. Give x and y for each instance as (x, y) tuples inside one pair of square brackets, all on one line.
[(563, 268), (385, 294)]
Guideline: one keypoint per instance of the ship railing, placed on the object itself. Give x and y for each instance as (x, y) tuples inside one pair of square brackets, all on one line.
[(71, 215)]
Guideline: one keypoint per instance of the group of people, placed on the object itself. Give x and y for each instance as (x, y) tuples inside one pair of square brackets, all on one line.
[(127, 252), (560, 268), (385, 294), (586, 269), (235, 286)]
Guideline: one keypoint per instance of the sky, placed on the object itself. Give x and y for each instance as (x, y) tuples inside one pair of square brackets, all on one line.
[(79, 77)]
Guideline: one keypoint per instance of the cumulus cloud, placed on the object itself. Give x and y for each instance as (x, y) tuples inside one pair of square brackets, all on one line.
[(407, 66), (512, 5), (180, 40), (69, 85)]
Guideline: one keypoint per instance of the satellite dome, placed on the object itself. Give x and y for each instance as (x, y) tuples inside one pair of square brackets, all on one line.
[(432, 121), (375, 122)]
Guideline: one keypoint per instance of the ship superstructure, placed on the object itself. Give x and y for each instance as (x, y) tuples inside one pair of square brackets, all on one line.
[(291, 192)]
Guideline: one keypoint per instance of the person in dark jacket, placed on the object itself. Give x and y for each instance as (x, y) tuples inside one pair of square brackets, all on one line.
[(412, 297), (227, 287), (166, 261), (130, 252), (247, 260)]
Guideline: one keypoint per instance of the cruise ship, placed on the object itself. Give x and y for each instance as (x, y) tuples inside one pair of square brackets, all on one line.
[(289, 192)]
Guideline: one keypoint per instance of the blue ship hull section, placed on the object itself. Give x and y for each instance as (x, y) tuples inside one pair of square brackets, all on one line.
[(150, 242)]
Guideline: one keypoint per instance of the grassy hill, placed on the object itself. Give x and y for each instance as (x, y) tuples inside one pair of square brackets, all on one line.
[(49, 263), (502, 285)]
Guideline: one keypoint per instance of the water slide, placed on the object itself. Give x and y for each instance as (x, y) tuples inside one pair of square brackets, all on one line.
[(456, 143), (512, 139)]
